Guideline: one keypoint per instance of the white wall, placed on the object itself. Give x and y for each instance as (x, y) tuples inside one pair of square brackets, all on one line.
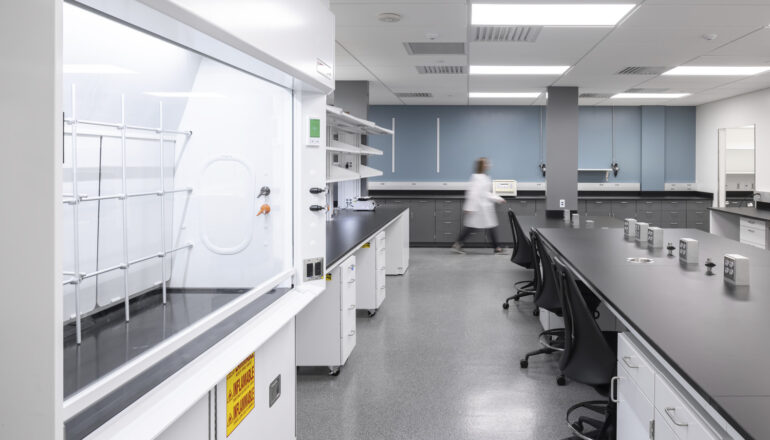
[(30, 200), (739, 111)]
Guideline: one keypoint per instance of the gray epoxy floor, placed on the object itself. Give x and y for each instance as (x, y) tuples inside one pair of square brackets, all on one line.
[(440, 360)]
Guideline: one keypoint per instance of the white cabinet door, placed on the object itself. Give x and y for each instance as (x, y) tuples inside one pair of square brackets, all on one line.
[(662, 431), (635, 412)]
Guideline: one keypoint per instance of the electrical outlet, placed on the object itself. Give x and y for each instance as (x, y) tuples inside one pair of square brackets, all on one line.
[(736, 269), (641, 231), (629, 227), (274, 391), (688, 250), (562, 203), (654, 237)]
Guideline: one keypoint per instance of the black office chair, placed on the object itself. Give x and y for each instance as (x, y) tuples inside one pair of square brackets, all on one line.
[(546, 297), (523, 256), (589, 356)]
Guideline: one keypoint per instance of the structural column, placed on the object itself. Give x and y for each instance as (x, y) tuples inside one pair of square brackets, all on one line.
[(561, 140)]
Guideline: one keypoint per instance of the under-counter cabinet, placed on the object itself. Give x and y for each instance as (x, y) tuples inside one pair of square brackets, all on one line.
[(650, 407), (370, 281), (422, 220), (326, 329)]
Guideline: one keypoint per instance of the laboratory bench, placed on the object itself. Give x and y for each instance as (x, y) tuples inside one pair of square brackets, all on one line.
[(362, 247), (693, 358), (436, 217), (748, 225)]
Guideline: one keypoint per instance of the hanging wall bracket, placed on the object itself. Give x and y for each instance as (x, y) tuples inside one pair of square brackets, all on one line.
[(542, 168)]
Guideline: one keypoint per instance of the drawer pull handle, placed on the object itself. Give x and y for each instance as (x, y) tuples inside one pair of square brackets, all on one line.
[(613, 393), (627, 361), (670, 411), (382, 268), (352, 281), (352, 333), (352, 307), (751, 230)]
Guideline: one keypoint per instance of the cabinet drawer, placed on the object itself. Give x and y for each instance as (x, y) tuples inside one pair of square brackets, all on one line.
[(379, 239), (447, 214), (476, 236), (648, 205), (700, 215), (673, 205), (647, 216), (396, 202), (703, 225), (678, 217), (452, 226), (623, 209), (662, 430), (753, 236), (635, 412), (677, 414), (446, 237), (598, 207), (522, 207), (637, 366), (348, 336), (698, 205), (747, 222)]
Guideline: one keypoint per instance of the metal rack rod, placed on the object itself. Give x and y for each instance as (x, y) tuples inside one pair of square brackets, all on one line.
[(124, 187), (162, 206), (123, 126), (76, 219), (103, 271), (87, 198)]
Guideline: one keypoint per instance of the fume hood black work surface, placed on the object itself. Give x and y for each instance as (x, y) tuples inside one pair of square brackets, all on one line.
[(109, 342)]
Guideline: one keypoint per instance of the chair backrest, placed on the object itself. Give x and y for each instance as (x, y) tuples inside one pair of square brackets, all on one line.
[(546, 295), (522, 250), (588, 356)]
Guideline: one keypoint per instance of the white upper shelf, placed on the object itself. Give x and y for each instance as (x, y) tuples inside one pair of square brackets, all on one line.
[(347, 122), (343, 147)]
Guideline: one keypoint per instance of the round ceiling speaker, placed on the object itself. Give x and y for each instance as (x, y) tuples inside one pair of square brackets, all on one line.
[(389, 17)]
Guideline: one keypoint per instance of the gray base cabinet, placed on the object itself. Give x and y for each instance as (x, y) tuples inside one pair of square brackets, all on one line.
[(422, 220)]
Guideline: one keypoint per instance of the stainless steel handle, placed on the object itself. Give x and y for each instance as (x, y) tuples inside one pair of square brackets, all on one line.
[(612, 389), (352, 307), (382, 268), (670, 411), (352, 281), (751, 230), (626, 360), (352, 332)]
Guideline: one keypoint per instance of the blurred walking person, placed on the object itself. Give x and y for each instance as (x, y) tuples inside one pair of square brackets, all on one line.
[(479, 207)]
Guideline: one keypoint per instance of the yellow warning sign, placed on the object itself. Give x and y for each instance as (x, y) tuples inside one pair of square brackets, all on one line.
[(367, 245), (328, 277), (240, 393)]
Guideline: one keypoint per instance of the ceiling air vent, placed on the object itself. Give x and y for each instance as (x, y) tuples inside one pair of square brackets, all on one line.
[(596, 95), (414, 94), (510, 34), (637, 70), (440, 70), (435, 48)]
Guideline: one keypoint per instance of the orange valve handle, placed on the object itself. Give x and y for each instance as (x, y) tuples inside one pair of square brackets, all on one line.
[(264, 209)]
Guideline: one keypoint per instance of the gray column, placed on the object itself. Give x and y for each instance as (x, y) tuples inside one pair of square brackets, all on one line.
[(353, 97), (561, 137), (30, 258), (653, 148)]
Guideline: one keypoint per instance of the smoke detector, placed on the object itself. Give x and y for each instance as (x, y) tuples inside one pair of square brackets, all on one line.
[(389, 17)]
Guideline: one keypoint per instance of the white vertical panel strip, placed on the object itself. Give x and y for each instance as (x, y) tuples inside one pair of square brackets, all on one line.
[(438, 145), (393, 146)]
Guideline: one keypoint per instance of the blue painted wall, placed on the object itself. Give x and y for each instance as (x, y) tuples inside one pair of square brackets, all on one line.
[(510, 137)]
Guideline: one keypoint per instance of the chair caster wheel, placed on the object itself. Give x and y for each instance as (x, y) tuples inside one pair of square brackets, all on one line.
[(524, 363), (516, 299), (536, 312), (505, 306), (561, 381)]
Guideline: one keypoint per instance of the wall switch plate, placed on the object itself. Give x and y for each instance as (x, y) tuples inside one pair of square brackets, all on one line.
[(641, 231), (629, 227), (736, 269), (655, 237), (688, 250), (562, 203), (274, 391), (314, 269), (575, 219)]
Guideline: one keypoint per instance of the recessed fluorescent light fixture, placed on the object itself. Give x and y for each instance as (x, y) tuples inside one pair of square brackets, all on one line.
[(185, 94), (649, 95), (518, 70), (96, 69), (717, 70), (548, 14), (504, 94)]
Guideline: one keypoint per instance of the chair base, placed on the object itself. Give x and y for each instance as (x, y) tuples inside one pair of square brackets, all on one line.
[(588, 428), (527, 289), (551, 340)]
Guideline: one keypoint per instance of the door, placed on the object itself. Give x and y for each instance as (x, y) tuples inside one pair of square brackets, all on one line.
[(635, 412), (422, 220)]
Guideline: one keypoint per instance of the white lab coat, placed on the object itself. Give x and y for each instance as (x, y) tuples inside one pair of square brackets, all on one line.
[(479, 203)]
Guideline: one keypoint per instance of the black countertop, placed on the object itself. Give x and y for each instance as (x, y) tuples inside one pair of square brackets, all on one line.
[(349, 229), (529, 222), (759, 214), (539, 195), (714, 335)]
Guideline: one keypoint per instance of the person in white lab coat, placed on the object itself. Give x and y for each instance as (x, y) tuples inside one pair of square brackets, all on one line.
[(479, 207)]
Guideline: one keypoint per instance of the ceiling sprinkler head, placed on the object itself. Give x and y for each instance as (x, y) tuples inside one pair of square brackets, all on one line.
[(709, 37), (431, 36), (389, 17)]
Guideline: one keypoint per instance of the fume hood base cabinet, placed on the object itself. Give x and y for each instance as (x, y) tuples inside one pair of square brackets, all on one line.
[(326, 328)]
